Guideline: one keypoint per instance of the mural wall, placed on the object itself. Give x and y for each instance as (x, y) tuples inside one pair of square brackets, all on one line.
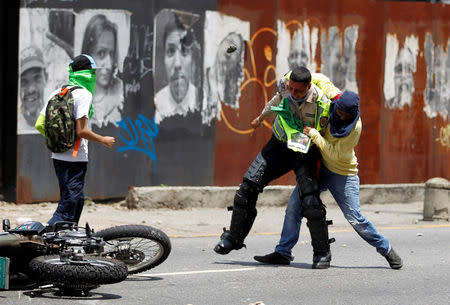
[(180, 84)]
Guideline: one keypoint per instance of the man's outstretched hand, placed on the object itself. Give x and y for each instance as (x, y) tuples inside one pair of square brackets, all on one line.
[(109, 141), (256, 122)]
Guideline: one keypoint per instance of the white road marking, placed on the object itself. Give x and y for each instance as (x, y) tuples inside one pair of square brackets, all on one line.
[(196, 272)]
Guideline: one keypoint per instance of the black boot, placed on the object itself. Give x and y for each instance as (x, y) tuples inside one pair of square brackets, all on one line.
[(321, 260), (318, 229), (227, 243), (244, 214), (394, 259)]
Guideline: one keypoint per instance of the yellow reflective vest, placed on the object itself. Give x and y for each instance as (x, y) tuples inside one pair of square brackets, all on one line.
[(287, 123)]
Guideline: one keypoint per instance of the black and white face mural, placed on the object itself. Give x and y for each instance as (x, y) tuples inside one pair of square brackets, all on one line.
[(97, 33), (437, 91), (300, 50), (176, 72), (338, 53), (43, 54), (400, 64), (338, 57), (223, 67), (48, 42)]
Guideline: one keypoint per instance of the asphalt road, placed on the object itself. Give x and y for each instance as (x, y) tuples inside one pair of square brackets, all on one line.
[(194, 274)]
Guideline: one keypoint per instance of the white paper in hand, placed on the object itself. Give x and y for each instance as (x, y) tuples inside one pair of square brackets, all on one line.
[(299, 142)]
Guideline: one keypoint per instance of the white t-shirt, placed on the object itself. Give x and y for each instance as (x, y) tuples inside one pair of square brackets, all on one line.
[(82, 104), (166, 106)]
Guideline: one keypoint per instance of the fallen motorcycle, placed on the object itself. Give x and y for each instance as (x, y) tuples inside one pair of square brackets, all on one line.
[(77, 259), (139, 247)]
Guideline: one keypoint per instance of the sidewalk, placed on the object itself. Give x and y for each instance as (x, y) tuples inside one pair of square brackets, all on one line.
[(191, 222)]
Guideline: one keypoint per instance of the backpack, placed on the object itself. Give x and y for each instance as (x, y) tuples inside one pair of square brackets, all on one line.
[(60, 124)]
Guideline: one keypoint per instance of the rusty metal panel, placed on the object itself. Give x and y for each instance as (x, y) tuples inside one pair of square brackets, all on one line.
[(414, 122), (236, 144), (401, 141)]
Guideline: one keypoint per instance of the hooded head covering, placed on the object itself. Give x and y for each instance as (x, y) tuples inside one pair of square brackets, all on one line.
[(82, 72), (348, 103)]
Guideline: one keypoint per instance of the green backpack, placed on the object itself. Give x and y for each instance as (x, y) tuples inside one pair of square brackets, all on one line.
[(60, 124)]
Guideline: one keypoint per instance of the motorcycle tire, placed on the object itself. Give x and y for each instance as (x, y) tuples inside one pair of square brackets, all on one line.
[(86, 274), (139, 247)]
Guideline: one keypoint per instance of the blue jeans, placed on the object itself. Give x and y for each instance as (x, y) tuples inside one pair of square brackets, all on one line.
[(345, 190), (71, 184)]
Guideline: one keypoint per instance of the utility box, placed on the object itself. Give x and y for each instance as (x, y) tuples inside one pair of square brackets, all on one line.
[(436, 199)]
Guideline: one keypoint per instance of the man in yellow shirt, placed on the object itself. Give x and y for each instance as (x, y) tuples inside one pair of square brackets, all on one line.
[(339, 174)]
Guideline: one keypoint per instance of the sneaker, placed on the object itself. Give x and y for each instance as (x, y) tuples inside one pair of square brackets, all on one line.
[(394, 260), (274, 258), (321, 261)]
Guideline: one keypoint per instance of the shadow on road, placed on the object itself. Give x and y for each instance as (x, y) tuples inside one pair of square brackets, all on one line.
[(257, 264), (56, 294), (292, 265), (359, 267), (240, 263), (143, 279)]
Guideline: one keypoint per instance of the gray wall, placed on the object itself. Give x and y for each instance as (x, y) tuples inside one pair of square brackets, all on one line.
[(178, 151)]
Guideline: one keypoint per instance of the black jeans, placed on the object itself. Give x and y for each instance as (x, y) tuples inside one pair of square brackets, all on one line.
[(71, 184), (280, 160)]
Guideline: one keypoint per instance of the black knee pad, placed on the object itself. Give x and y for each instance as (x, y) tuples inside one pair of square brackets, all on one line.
[(312, 207), (314, 213), (308, 185), (246, 196), (256, 171)]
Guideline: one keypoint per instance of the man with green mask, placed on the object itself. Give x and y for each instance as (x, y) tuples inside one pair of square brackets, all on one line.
[(71, 165)]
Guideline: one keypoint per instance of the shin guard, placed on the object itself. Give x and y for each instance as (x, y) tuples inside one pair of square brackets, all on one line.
[(318, 229)]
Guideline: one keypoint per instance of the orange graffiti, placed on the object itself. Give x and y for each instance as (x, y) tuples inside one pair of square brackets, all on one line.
[(253, 79), (268, 53), (444, 136), (268, 83)]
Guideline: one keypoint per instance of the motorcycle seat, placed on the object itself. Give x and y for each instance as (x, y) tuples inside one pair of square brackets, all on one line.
[(28, 228)]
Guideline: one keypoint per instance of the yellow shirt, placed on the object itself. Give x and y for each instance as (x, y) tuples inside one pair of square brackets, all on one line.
[(325, 85), (338, 154)]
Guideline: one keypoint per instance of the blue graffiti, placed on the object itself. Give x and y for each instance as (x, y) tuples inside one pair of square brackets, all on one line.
[(143, 129)]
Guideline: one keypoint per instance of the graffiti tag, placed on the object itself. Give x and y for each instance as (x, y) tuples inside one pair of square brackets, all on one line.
[(140, 135)]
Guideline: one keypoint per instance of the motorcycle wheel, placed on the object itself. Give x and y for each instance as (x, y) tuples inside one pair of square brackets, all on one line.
[(139, 247), (82, 275)]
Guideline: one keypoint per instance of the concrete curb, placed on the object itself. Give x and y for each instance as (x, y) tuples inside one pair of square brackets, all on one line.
[(179, 197)]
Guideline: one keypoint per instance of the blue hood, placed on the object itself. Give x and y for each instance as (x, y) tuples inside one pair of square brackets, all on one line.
[(349, 103)]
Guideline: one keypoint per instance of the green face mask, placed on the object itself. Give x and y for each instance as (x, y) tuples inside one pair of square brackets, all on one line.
[(83, 78)]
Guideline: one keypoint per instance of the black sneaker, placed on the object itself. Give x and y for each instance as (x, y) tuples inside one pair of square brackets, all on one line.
[(321, 260), (274, 258), (394, 259)]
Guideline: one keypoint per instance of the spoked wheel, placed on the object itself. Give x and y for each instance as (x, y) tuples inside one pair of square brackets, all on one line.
[(77, 275), (139, 247)]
